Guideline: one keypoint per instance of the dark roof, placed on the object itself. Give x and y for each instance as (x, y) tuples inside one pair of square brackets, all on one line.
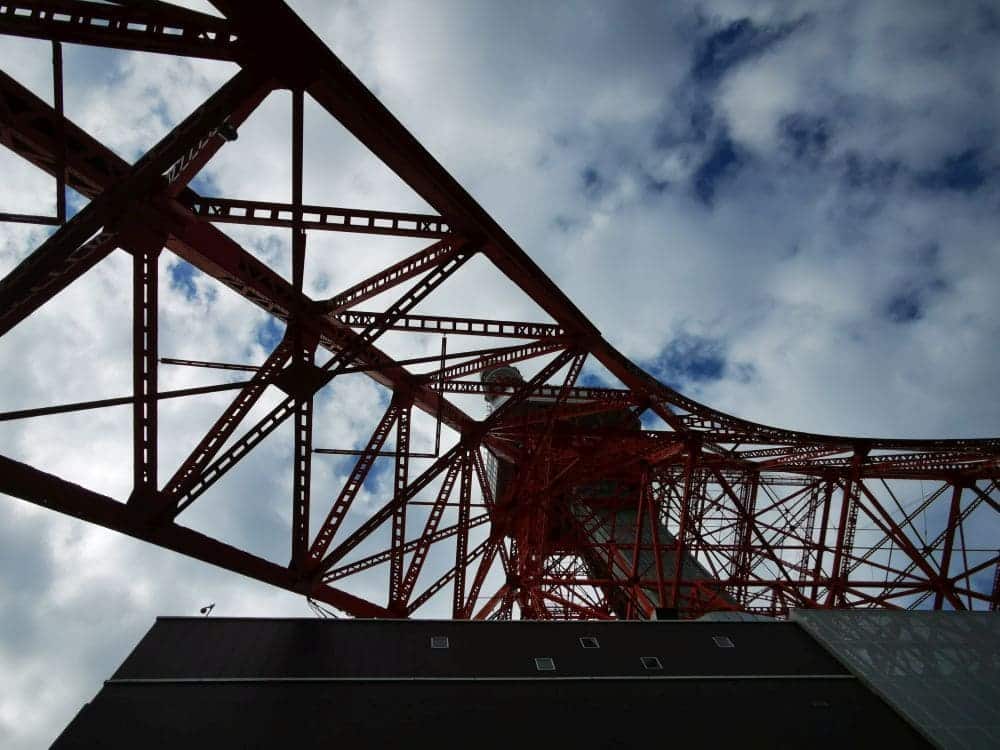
[(364, 683), (217, 647)]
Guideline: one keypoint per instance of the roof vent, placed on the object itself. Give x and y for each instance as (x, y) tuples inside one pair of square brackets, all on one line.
[(723, 641), (439, 641), (589, 642), (545, 664), (651, 662)]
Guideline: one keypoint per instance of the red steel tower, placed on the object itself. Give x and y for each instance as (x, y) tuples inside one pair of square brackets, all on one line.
[(564, 501)]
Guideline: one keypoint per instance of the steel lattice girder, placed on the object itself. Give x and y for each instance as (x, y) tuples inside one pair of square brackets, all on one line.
[(715, 512)]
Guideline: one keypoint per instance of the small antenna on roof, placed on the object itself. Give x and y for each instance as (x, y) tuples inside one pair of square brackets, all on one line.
[(207, 610)]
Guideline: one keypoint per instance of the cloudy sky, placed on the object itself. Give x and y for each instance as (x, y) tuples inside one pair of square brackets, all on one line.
[(790, 211)]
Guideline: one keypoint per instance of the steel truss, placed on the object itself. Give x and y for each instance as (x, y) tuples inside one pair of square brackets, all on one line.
[(774, 518)]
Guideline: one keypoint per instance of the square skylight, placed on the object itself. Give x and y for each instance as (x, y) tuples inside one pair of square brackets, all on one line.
[(651, 662), (545, 664)]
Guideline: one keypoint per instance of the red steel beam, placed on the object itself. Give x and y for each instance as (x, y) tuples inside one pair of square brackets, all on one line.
[(954, 521), (360, 344), (878, 514), (682, 528), (603, 395), (323, 218), (496, 358), (501, 595), (382, 514), (302, 363), (145, 280), (31, 129), (84, 240), (414, 265), (30, 219), (397, 537), (462, 557), (379, 558), (765, 548), (272, 25), (222, 258), (423, 542), (346, 98), (647, 385), (209, 365), (120, 401), (482, 570), (49, 491), (542, 442), (161, 28), (337, 90), (352, 486), (431, 180), (447, 578), (187, 475), (462, 326)]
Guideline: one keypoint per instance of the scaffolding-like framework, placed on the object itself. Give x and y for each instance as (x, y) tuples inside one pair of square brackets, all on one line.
[(775, 518)]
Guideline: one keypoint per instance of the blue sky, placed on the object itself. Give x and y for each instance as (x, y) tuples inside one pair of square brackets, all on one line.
[(786, 210)]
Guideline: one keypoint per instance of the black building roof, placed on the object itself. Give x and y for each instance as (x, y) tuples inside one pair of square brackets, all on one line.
[(362, 649), (194, 682)]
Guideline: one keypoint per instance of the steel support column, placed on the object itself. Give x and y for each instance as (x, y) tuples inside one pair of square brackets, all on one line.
[(399, 497), (145, 280), (462, 559), (949, 543)]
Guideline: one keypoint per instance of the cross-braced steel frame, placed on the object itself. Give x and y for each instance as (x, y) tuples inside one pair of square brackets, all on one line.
[(774, 518)]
